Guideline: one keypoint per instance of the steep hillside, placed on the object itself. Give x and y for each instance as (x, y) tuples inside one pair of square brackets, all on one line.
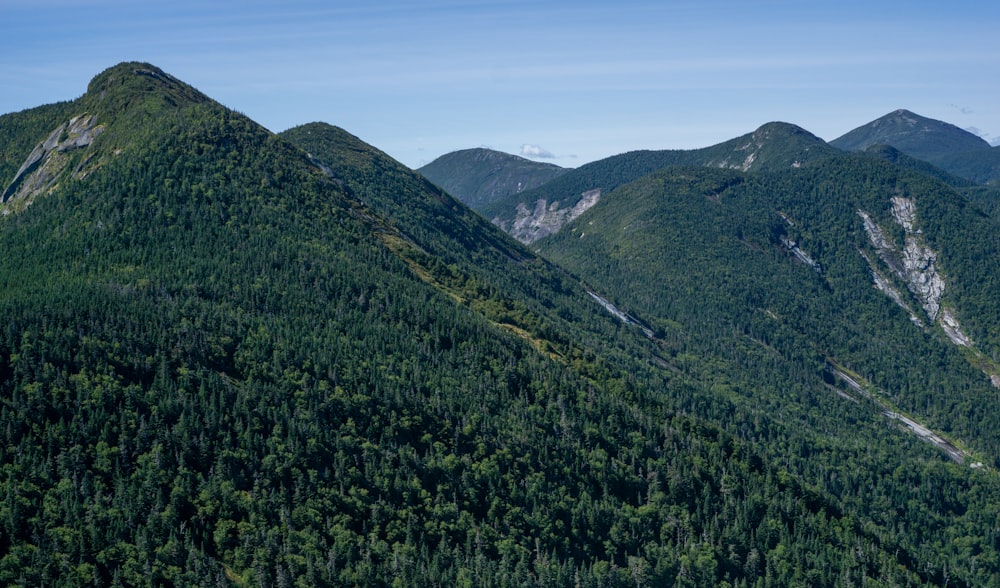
[(480, 176), (234, 358), (848, 282), (20, 135), (893, 155), (982, 166), (534, 214), (987, 198), (824, 241)]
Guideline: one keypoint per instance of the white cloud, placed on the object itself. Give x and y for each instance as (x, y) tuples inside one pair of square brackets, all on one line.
[(536, 151)]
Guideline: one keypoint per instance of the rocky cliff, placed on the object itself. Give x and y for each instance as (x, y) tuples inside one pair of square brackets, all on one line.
[(531, 224), (43, 167), (915, 265)]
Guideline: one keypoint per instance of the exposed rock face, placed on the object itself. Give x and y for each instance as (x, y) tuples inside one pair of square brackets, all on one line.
[(801, 255), (904, 212), (545, 219), (885, 286), (954, 331), (752, 149), (623, 317), (922, 277), (914, 264), (41, 170)]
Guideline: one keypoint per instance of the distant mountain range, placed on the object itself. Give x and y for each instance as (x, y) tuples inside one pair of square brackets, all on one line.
[(532, 214), (230, 357), (953, 155)]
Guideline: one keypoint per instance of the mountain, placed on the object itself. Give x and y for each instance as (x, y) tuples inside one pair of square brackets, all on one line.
[(954, 150), (480, 176), (686, 248), (689, 250), (921, 137), (533, 214), (850, 281), (229, 357)]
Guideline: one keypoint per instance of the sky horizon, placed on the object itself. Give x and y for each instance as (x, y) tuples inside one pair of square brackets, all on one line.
[(566, 83)]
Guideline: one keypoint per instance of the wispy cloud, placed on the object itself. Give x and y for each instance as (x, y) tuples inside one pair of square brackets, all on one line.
[(994, 141), (528, 150)]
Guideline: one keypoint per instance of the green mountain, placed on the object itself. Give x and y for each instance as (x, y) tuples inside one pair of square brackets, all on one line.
[(854, 231), (848, 281), (480, 176), (921, 137), (986, 198), (534, 214), (229, 357), (952, 149)]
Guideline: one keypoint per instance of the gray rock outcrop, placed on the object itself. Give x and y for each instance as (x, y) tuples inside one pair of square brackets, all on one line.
[(914, 264), (545, 219), (43, 166)]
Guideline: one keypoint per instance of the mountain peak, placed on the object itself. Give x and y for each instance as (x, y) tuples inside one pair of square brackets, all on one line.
[(123, 108), (783, 132), (782, 128), (480, 154), (125, 70), (480, 176), (120, 86), (915, 135), (773, 146), (905, 118)]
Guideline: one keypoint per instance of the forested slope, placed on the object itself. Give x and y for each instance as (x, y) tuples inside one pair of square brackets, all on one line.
[(764, 254), (224, 361), (767, 275)]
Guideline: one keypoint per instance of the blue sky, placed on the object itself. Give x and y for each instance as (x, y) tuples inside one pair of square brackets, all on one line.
[(566, 82)]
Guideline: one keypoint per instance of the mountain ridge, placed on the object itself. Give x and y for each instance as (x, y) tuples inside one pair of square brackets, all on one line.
[(73, 146), (223, 345), (534, 214), (234, 357)]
